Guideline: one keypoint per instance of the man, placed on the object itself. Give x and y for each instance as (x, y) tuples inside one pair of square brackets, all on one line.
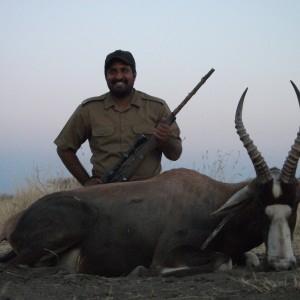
[(112, 121)]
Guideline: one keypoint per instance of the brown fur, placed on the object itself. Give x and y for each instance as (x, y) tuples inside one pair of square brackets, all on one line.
[(157, 223)]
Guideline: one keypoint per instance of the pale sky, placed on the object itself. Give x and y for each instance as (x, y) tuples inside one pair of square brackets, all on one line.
[(52, 56)]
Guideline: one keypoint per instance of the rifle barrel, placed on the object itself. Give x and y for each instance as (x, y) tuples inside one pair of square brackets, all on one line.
[(192, 93)]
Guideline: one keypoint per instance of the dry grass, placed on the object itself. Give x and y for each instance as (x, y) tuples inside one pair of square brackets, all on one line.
[(35, 188), (270, 286), (222, 166)]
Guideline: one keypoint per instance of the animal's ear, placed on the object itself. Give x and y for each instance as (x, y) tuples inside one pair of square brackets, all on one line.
[(236, 201)]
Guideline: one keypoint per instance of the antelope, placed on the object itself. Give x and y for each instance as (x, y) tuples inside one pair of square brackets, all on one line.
[(178, 223)]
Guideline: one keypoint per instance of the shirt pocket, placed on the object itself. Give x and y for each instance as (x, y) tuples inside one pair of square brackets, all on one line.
[(103, 131), (104, 139), (145, 129)]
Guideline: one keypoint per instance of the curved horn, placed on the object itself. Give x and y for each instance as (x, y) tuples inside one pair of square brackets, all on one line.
[(261, 168), (290, 165)]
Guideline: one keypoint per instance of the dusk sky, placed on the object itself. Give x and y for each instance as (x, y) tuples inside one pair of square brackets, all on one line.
[(52, 58)]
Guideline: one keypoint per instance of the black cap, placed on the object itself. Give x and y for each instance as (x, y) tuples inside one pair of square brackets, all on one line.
[(125, 56)]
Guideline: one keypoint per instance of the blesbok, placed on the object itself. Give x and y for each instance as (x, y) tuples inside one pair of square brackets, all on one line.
[(179, 222)]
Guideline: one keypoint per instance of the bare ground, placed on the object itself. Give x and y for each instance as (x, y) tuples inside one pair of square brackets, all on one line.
[(240, 283), (236, 284)]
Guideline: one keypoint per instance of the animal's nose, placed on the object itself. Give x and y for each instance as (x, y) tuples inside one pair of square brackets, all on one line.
[(281, 263)]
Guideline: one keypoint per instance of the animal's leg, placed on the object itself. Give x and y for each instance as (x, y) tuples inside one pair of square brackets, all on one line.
[(66, 263), (140, 271), (189, 260), (7, 256), (70, 259), (33, 245), (26, 258), (246, 259), (46, 250), (48, 228)]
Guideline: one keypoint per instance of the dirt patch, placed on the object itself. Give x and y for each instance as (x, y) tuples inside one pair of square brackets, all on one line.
[(237, 284)]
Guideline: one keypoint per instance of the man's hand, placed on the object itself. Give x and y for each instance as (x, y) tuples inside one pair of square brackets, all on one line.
[(162, 131), (170, 148)]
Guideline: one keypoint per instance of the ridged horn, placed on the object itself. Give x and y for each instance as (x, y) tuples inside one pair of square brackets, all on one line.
[(261, 168), (290, 165)]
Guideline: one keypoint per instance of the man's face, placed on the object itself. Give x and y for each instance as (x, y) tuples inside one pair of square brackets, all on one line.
[(120, 79)]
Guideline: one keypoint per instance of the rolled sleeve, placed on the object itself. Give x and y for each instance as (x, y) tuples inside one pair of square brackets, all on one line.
[(75, 132)]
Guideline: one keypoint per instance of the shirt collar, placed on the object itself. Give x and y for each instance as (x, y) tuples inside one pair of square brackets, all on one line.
[(135, 100)]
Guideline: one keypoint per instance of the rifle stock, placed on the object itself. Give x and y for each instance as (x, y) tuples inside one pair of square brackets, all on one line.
[(126, 166)]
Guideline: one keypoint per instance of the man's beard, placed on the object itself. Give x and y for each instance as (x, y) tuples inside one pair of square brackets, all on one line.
[(120, 93)]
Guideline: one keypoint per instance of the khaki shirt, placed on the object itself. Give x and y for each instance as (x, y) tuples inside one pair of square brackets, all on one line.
[(111, 131)]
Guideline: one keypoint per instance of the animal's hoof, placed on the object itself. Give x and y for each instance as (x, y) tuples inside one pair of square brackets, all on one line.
[(251, 259), (139, 271)]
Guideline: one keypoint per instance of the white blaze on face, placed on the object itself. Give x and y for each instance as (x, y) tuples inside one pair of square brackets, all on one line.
[(280, 252)]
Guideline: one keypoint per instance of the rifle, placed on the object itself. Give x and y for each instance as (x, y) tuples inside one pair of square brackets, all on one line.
[(129, 162)]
